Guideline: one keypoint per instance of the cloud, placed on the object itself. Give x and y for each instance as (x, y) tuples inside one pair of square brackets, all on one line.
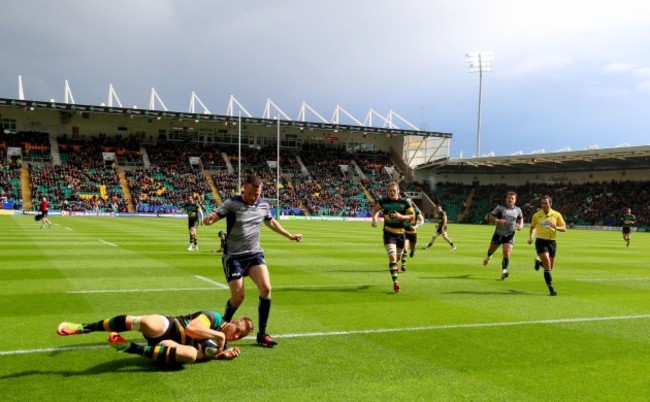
[(644, 86), (541, 63), (642, 72), (616, 68)]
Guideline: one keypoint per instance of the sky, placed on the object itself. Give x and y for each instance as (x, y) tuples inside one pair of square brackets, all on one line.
[(567, 74)]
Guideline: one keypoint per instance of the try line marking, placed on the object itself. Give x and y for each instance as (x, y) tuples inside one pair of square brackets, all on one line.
[(614, 279), (217, 286), (108, 243), (378, 331)]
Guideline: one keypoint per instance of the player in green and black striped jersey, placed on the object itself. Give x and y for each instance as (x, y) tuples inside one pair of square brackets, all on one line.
[(397, 211), (627, 221), (193, 210)]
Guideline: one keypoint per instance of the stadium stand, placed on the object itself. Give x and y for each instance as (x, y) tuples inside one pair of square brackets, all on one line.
[(320, 174)]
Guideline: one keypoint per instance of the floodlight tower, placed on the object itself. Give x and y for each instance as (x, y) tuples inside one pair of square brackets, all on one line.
[(480, 62)]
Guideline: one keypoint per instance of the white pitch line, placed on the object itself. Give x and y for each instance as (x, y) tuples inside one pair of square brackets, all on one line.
[(138, 290), (613, 279), (475, 325), (380, 331), (108, 243), (218, 286), (215, 283)]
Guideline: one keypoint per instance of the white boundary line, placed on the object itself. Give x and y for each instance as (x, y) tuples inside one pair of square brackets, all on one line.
[(613, 279), (218, 286), (475, 325), (380, 331), (107, 243), (215, 283)]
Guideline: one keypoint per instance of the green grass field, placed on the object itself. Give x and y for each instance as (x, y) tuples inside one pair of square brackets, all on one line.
[(455, 332)]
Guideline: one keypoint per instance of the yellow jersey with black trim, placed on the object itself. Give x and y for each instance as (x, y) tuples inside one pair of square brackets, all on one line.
[(542, 221), (400, 205)]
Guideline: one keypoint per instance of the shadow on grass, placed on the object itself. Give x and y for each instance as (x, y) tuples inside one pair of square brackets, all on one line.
[(131, 365), (509, 292), (324, 288), (467, 276)]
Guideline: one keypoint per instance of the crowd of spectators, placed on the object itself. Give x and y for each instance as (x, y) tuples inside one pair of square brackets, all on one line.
[(10, 190), (331, 188), (596, 203), (320, 179), (34, 145)]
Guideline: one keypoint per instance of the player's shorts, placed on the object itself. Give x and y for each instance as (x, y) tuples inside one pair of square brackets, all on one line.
[(411, 237), (626, 230), (503, 239), (44, 213), (237, 266), (440, 230), (394, 238), (192, 223), (174, 332), (545, 246)]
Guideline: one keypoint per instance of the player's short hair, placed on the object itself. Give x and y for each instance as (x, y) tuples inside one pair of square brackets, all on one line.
[(547, 197), (511, 193), (253, 180), (249, 326)]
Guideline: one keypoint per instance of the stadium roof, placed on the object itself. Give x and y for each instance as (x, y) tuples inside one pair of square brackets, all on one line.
[(389, 127), (621, 158)]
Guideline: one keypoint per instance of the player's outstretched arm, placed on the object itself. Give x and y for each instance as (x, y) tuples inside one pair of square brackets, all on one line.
[(277, 228), (211, 218), (228, 354)]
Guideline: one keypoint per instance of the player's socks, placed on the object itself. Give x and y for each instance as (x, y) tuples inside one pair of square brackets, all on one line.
[(392, 268), (113, 324), (161, 354), (264, 309), (549, 282), (504, 263), (230, 311)]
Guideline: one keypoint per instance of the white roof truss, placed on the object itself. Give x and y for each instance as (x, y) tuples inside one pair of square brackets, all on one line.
[(152, 101), (267, 110), (193, 102)]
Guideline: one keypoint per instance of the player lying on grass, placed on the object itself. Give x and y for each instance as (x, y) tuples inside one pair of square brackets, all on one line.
[(171, 340)]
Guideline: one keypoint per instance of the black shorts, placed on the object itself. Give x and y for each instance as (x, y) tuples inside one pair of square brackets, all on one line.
[(626, 230), (237, 266), (503, 239), (175, 332), (394, 238), (411, 237), (192, 223), (441, 229), (545, 246), (44, 213)]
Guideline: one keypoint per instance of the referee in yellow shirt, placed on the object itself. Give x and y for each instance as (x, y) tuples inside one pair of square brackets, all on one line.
[(545, 223)]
